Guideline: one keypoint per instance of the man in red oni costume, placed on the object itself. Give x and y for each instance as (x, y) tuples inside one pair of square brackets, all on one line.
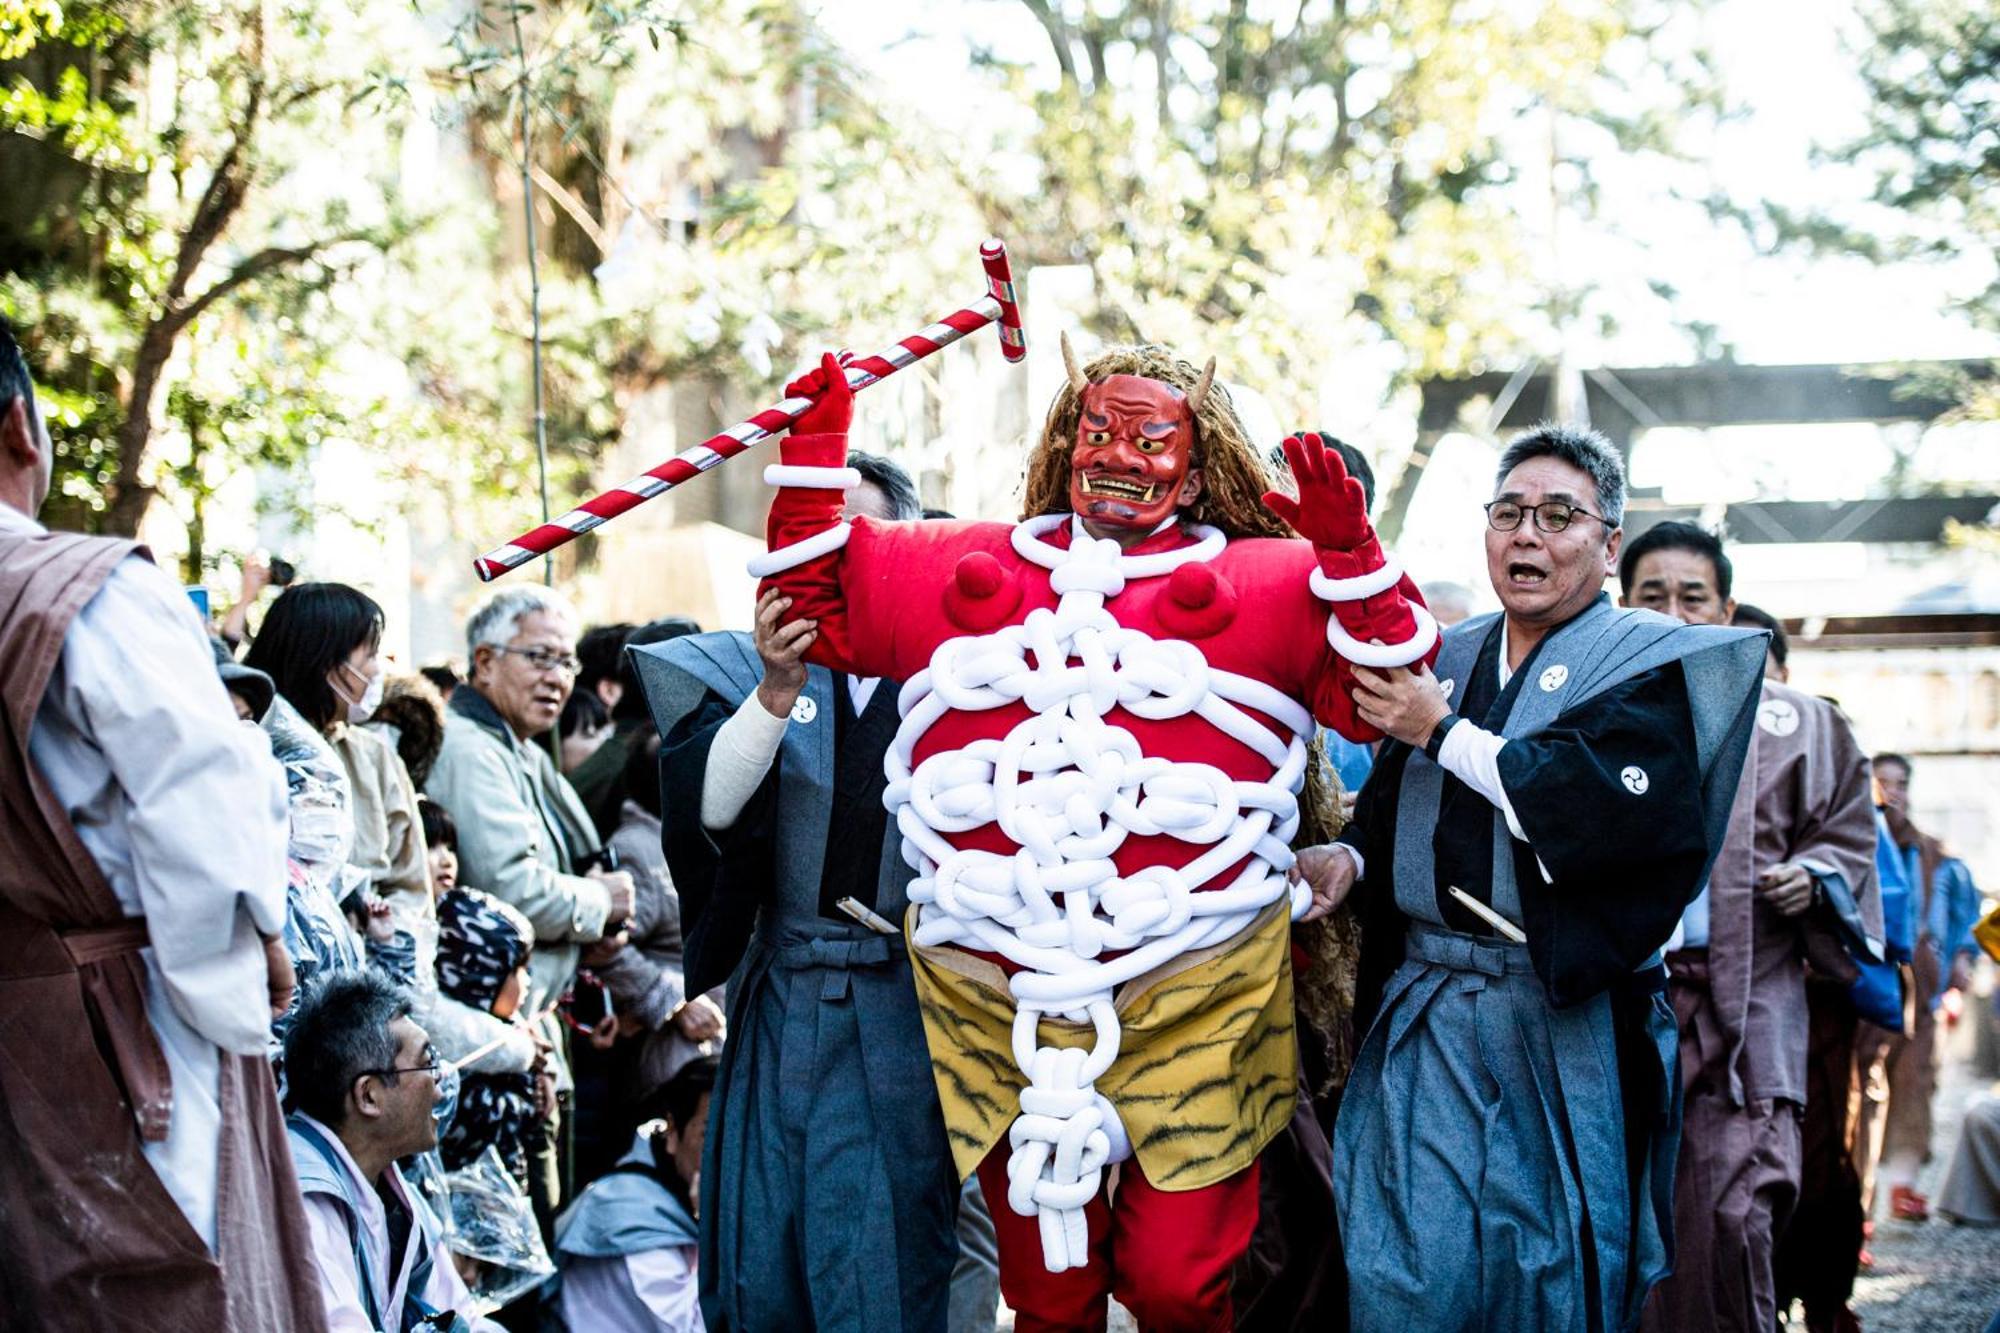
[(1097, 780)]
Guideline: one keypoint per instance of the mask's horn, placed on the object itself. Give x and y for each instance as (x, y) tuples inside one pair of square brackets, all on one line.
[(1200, 394), (1076, 379)]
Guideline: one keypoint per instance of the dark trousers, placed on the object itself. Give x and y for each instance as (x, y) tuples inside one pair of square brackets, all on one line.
[(1819, 1252), (1735, 1181)]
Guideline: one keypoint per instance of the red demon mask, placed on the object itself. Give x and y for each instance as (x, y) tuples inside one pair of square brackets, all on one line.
[(1133, 464)]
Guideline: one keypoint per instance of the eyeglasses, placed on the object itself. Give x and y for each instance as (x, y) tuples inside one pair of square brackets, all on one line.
[(543, 659), (1550, 515), (430, 1067)]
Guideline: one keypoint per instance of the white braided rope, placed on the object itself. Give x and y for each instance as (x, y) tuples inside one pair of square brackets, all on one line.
[(812, 478), (1070, 788), (1329, 589), (1385, 655)]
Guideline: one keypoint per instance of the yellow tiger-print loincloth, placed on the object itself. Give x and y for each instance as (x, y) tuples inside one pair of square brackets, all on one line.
[(1207, 1065)]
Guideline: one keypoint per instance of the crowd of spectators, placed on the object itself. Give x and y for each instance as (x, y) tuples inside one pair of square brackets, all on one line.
[(488, 948)]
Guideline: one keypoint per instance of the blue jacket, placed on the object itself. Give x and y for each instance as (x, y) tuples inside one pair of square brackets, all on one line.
[(1953, 910)]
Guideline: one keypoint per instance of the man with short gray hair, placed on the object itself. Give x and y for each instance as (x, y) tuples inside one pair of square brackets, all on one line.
[(523, 835), (1543, 809)]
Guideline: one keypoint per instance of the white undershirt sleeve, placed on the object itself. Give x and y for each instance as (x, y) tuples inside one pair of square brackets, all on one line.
[(738, 759), (664, 1282), (1471, 754)]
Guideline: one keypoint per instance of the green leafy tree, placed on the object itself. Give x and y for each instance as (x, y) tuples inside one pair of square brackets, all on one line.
[(1932, 70), (1927, 163), (1305, 179), (152, 140), (1932, 145)]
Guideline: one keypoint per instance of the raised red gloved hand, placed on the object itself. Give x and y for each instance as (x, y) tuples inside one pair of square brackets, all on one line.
[(832, 411), (1331, 511)]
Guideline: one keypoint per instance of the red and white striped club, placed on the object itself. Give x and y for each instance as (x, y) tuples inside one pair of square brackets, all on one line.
[(997, 306)]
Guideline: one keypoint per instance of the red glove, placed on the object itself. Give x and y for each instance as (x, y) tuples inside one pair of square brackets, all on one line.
[(1332, 509), (832, 411)]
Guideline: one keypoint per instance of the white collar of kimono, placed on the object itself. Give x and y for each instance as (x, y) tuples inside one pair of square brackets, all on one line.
[(860, 689), (13, 520), (1506, 672)]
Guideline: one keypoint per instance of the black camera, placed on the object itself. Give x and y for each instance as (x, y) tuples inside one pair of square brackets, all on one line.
[(282, 572), (604, 858)]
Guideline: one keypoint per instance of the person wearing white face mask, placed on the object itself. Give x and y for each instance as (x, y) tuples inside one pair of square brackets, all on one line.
[(321, 645)]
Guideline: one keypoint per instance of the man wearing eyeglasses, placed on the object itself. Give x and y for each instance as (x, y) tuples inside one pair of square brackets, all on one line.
[(364, 1078), (1545, 806), (523, 833)]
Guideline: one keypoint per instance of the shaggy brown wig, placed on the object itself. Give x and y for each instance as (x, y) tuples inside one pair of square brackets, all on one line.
[(1324, 988), (1234, 480)]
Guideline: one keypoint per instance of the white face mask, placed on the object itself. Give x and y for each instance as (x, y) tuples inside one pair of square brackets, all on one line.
[(360, 710)]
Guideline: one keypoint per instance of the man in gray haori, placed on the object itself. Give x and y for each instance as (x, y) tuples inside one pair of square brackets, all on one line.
[(1546, 806)]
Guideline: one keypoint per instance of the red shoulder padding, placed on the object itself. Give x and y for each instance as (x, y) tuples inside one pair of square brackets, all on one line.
[(1200, 602), (982, 595)]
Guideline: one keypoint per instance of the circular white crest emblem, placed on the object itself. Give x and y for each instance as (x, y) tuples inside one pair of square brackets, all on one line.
[(1778, 716), (1445, 687), (1552, 679), (1635, 779), (805, 710)]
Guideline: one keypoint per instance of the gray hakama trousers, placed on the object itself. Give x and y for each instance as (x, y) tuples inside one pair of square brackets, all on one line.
[(1971, 1191), (827, 1190), (1480, 1165)]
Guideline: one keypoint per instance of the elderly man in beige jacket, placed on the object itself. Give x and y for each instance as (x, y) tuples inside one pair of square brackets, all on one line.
[(523, 835)]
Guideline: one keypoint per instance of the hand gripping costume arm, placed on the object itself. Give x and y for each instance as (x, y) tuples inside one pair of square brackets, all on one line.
[(1379, 619)]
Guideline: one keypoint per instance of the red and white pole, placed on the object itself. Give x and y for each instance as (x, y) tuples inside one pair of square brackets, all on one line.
[(997, 306)]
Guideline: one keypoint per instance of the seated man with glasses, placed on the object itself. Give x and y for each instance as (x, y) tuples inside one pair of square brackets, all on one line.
[(364, 1082), (1545, 806), (523, 834)]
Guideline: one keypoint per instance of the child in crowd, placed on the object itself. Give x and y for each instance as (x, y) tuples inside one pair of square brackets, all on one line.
[(463, 1033), (585, 724), (625, 1250), (482, 962)]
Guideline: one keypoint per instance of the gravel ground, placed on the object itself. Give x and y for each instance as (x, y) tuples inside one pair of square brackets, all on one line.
[(1933, 1277)]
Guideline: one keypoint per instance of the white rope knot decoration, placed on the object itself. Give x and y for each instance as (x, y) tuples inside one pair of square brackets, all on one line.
[(1070, 787), (820, 543)]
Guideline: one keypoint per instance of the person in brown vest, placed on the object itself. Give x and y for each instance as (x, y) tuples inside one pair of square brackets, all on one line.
[(144, 1177)]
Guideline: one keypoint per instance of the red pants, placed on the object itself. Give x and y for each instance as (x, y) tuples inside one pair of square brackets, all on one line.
[(1166, 1256)]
